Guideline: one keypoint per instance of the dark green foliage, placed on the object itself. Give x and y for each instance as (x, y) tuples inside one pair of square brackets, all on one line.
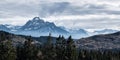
[(7, 51), (29, 51), (61, 49), (49, 49), (71, 49)]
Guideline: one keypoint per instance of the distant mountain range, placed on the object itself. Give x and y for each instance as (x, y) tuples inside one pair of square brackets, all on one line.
[(38, 27), (105, 31)]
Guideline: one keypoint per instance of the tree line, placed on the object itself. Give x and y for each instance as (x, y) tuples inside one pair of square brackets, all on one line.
[(63, 49)]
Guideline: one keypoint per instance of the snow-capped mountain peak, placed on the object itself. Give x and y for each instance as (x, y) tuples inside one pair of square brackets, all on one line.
[(37, 19), (37, 27), (36, 24)]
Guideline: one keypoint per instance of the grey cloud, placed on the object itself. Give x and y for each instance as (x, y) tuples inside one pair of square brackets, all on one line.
[(53, 8), (4, 14), (46, 9), (10, 9), (66, 8), (99, 23)]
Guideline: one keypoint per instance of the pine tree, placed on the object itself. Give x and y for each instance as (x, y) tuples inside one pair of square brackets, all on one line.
[(49, 49), (29, 51), (2, 37), (60, 48), (71, 49)]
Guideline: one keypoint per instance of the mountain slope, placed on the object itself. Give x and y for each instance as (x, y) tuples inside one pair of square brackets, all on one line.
[(4, 28), (105, 31), (78, 33), (14, 38), (107, 41), (12, 28), (20, 39), (38, 27)]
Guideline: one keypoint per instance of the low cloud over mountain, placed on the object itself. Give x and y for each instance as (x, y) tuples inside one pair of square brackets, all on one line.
[(92, 14)]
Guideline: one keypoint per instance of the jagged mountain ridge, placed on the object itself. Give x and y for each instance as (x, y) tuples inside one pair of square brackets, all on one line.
[(38, 27), (42, 26), (3, 27)]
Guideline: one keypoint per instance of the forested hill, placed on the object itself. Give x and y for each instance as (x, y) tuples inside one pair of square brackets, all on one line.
[(41, 39), (106, 41), (12, 49), (5, 36), (22, 38), (16, 47)]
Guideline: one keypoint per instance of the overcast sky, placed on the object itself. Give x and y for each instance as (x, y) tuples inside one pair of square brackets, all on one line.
[(87, 14)]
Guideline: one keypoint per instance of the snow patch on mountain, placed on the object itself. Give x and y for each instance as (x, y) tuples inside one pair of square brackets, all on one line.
[(38, 27)]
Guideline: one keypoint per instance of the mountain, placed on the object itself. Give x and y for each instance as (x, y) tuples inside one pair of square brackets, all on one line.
[(4, 28), (104, 41), (78, 33), (12, 27), (38, 27), (105, 31)]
